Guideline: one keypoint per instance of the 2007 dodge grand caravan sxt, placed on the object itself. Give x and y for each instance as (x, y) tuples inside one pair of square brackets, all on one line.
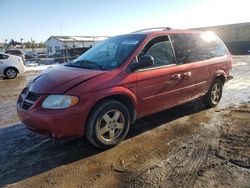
[(101, 93)]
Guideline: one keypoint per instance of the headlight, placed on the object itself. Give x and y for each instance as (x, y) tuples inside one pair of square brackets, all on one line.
[(59, 101)]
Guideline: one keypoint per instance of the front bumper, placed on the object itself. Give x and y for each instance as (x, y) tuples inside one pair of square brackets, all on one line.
[(52, 125)]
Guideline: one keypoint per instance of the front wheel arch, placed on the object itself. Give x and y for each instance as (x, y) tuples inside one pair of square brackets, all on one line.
[(222, 78), (122, 98)]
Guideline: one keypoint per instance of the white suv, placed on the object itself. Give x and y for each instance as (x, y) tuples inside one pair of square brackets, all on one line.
[(11, 65)]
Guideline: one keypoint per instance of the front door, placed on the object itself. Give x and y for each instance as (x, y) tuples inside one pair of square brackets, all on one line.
[(158, 86)]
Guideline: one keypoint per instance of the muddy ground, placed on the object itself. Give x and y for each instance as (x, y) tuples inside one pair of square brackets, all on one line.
[(186, 146)]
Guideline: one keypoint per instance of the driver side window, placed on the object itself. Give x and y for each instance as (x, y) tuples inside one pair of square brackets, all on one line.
[(161, 50)]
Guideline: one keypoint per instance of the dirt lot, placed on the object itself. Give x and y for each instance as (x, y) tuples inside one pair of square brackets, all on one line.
[(187, 146)]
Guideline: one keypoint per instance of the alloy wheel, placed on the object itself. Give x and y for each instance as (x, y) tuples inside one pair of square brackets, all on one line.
[(216, 93), (111, 125)]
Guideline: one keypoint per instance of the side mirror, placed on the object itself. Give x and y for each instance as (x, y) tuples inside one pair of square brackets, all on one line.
[(144, 61)]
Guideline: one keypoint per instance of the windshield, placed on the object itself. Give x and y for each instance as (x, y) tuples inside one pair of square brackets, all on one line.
[(108, 54)]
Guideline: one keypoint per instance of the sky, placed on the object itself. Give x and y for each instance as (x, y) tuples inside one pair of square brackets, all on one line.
[(40, 19)]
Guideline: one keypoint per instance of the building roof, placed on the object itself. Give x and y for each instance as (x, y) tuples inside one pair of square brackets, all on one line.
[(78, 38)]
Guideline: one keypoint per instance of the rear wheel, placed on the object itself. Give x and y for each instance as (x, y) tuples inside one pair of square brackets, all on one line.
[(108, 124), (213, 96), (10, 73)]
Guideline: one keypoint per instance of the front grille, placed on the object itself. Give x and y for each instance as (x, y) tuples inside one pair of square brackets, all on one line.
[(32, 96), (27, 99), (26, 105)]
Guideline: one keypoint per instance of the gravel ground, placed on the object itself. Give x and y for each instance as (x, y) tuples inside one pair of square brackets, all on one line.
[(186, 146)]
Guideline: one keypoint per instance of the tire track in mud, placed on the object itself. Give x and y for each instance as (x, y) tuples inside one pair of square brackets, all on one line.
[(234, 142), (180, 168), (185, 177), (171, 170), (220, 156)]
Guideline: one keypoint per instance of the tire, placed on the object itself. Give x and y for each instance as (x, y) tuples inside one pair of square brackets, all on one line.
[(108, 124), (213, 96), (10, 73)]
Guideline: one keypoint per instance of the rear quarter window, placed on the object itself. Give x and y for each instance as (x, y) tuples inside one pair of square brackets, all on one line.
[(197, 47)]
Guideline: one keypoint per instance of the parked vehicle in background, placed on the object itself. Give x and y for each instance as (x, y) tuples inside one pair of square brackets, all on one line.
[(16, 52), (11, 65), (102, 92), (65, 55), (41, 55), (30, 55)]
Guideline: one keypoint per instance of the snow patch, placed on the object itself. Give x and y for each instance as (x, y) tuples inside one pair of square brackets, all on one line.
[(237, 91), (36, 67)]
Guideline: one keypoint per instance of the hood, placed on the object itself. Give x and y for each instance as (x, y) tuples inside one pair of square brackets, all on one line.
[(60, 79)]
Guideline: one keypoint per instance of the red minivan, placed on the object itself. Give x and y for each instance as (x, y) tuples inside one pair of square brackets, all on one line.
[(101, 93)]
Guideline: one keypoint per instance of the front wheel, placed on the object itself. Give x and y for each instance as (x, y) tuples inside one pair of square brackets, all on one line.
[(213, 96), (108, 124)]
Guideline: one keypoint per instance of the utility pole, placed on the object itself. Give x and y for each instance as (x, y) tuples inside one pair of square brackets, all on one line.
[(32, 47), (61, 29), (21, 42)]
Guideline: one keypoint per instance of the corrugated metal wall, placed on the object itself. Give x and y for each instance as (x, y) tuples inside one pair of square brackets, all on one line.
[(235, 36)]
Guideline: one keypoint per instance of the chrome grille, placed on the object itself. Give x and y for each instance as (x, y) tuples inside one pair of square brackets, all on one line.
[(27, 99)]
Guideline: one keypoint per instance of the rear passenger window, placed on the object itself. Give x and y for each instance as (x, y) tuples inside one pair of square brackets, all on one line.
[(161, 50), (196, 47)]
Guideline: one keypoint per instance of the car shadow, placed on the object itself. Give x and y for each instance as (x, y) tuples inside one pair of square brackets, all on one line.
[(24, 154)]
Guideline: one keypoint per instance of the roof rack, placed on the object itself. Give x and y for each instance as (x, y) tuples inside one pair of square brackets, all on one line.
[(153, 28)]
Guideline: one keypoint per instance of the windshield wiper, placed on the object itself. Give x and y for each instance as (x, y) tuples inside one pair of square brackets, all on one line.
[(87, 64), (69, 64)]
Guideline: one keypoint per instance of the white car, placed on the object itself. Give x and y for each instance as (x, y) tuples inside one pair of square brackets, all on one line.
[(11, 65)]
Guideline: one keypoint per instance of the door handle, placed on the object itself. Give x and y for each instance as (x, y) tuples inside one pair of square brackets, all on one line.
[(176, 77), (187, 75)]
